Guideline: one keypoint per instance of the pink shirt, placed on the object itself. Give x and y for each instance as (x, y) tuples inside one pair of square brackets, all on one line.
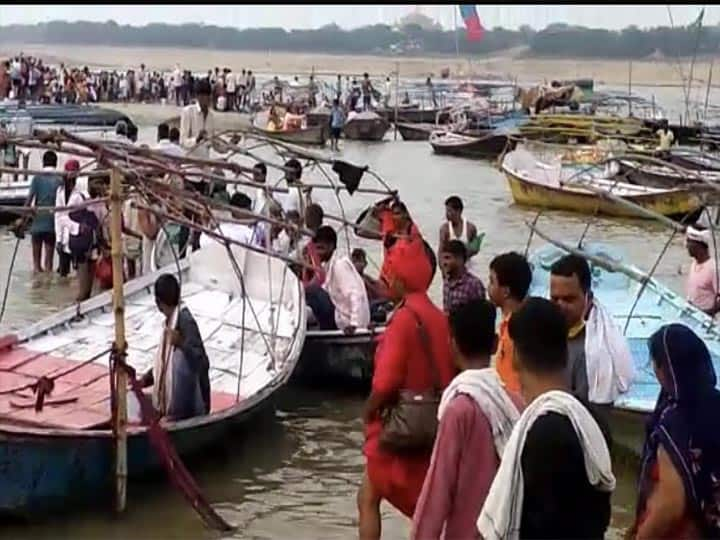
[(702, 286), (462, 468)]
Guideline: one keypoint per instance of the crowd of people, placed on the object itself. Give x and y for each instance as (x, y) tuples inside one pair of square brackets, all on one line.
[(473, 429), (28, 78)]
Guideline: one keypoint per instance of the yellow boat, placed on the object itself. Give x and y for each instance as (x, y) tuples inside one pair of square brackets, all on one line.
[(551, 186)]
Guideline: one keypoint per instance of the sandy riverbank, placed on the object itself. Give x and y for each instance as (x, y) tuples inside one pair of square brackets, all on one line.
[(509, 64)]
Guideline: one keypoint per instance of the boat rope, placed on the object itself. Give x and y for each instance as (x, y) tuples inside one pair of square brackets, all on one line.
[(161, 442)]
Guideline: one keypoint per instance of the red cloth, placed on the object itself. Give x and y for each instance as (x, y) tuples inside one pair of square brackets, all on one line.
[(316, 276), (462, 468), (72, 165), (400, 364), (407, 261)]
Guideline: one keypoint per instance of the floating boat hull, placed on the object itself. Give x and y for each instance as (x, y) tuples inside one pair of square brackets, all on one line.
[(679, 203), (312, 135), (366, 129), (60, 458), (415, 132), (331, 359), (489, 146)]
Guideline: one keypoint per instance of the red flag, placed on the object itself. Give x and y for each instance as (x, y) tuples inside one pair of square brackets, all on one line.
[(473, 26)]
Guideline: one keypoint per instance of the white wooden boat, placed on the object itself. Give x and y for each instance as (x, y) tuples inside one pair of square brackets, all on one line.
[(63, 454)]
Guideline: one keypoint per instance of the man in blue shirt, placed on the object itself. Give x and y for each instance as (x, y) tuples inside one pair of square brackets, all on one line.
[(42, 231), (337, 122)]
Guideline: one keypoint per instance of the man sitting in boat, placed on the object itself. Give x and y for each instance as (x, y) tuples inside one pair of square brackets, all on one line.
[(666, 137), (292, 120), (702, 282), (600, 366), (275, 123), (180, 380), (341, 302)]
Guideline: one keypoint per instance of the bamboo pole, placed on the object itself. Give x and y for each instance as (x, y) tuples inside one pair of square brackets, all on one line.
[(120, 415), (397, 95)]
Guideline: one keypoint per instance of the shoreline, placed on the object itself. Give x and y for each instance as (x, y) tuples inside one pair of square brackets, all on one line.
[(511, 64)]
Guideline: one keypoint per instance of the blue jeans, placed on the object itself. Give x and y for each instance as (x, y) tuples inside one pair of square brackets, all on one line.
[(324, 310)]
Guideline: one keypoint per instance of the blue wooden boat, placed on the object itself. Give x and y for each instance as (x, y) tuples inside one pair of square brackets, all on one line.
[(657, 306), (60, 458), (330, 359)]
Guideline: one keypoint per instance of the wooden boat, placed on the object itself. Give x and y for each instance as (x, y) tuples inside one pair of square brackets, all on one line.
[(415, 115), (549, 185), (656, 307), (331, 359), (415, 132), (320, 116), (486, 146), (310, 135), (650, 174), (60, 458), (694, 161), (366, 126)]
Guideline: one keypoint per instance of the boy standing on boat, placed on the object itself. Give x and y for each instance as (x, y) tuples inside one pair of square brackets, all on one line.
[(702, 282), (337, 122), (180, 376), (477, 415)]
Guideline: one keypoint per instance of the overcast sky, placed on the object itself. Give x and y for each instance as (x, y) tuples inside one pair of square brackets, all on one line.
[(350, 16)]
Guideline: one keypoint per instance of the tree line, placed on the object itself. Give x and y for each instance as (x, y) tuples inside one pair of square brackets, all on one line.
[(557, 40)]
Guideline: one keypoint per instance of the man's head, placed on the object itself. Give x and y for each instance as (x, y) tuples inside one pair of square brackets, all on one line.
[(400, 215), (240, 200), (174, 135), (49, 159), (453, 209), (121, 128), (167, 294), (365, 76), (259, 173), (295, 171), (539, 334), (453, 258), (72, 167), (472, 329), (325, 242), (202, 94), (163, 132), (314, 216), (359, 259), (570, 283), (697, 241), (510, 278)]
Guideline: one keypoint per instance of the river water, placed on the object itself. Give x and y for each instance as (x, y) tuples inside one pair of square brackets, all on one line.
[(294, 472)]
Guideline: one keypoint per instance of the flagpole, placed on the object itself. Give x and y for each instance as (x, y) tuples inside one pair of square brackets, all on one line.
[(457, 43)]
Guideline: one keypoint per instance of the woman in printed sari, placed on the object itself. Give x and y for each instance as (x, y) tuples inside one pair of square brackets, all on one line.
[(680, 477), (401, 362)]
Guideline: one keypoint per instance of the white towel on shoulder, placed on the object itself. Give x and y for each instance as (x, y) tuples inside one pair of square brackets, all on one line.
[(488, 391), (162, 368), (500, 516), (607, 357)]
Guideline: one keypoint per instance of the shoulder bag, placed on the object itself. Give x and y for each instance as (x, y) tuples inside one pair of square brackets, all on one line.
[(411, 424)]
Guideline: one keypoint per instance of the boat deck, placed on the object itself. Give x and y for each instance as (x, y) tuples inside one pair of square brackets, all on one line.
[(77, 352)]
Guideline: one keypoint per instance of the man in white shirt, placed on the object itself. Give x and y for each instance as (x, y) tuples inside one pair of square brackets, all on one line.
[(165, 143), (234, 231), (197, 123), (341, 302), (177, 82), (294, 200), (230, 101)]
